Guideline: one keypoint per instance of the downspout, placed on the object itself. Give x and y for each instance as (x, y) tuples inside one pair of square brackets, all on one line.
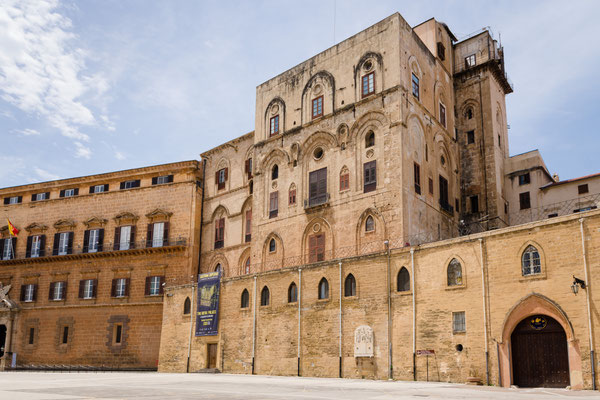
[(191, 329), (485, 333), (340, 316), (201, 215), (299, 313), (587, 297), (254, 326), (389, 322), (414, 327)]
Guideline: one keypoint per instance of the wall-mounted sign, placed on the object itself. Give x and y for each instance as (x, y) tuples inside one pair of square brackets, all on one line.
[(207, 316), (538, 322), (425, 352), (363, 341)]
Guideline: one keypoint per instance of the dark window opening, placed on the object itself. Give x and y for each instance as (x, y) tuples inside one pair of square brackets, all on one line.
[(417, 176), (582, 189), (31, 335), (470, 137), (403, 280), (274, 172), (524, 200), (524, 179), (264, 296), (444, 195), (272, 245), (65, 335), (474, 203), (350, 286), (323, 289), (245, 299), (118, 333), (370, 139), (370, 176), (415, 86), (187, 306), (441, 50), (292, 293), (469, 113)]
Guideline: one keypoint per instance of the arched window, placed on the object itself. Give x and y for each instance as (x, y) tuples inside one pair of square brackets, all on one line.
[(292, 293), (218, 268), (187, 306), (247, 266), (245, 299), (403, 280), (323, 289), (469, 113), (275, 172), (370, 224), (272, 245), (350, 286), (264, 296), (454, 273), (370, 139), (530, 261)]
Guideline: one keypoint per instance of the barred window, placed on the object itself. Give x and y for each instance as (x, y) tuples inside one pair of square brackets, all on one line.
[(458, 322), (530, 261)]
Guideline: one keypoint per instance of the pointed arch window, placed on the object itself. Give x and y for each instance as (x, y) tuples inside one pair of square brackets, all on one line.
[(293, 293), (403, 280), (530, 261), (370, 139), (275, 172), (344, 179), (187, 306), (264, 296), (219, 268), (350, 286), (469, 113), (247, 266), (323, 289), (245, 300), (272, 245), (369, 224), (455, 273)]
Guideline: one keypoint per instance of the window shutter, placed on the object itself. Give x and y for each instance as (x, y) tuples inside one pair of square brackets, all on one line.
[(92, 189), (33, 197), (20, 200), (28, 250), (122, 185), (226, 173), (166, 234), (22, 298), (160, 285), (70, 245), (155, 180), (222, 237), (76, 192), (51, 291), (106, 187), (149, 234), (311, 248), (47, 195), (136, 183), (55, 244), (7, 200), (101, 240), (62, 193), (246, 166), (117, 240), (94, 288), (42, 245), (86, 240), (132, 238), (147, 290), (35, 287), (217, 177), (113, 288), (63, 294), (127, 283), (2, 242), (81, 288)]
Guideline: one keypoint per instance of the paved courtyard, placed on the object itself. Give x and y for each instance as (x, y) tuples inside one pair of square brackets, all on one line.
[(46, 386)]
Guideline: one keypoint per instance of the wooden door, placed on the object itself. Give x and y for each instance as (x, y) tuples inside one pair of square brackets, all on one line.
[(212, 355), (539, 353)]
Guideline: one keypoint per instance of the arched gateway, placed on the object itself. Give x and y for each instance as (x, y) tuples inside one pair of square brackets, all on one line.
[(538, 346)]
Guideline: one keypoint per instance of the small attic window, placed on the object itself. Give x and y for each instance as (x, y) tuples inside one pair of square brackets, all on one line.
[(441, 50)]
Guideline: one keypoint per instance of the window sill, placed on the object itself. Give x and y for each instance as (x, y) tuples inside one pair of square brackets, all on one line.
[(459, 333), (537, 277), (153, 295), (119, 297), (404, 293), (351, 298), (319, 301), (456, 287)]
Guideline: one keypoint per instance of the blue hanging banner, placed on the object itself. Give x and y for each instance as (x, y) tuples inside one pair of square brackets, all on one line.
[(207, 316)]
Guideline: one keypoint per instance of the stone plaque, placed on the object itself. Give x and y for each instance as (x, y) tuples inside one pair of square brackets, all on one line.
[(363, 341)]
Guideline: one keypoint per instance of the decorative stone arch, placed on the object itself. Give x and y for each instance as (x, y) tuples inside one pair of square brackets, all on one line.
[(327, 83), (319, 138), (33, 228), (275, 107), (64, 225), (441, 96), (242, 260), (442, 149), (272, 260), (95, 222), (416, 145), (376, 59), (159, 215), (463, 270), (219, 258), (221, 210), (372, 120), (471, 103), (343, 133), (126, 218), (534, 304), (368, 242), (541, 252), (246, 206), (276, 155), (316, 226)]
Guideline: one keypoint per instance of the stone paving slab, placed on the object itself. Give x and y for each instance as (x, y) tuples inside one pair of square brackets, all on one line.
[(63, 386)]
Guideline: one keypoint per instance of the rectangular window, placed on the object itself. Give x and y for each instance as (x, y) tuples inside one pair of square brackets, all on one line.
[(161, 180), (456, 205), (344, 182), (317, 189), (13, 200), (69, 193), (158, 234), (368, 84), (417, 176), (8, 250), (29, 293), (524, 201), (88, 289), (292, 197), (316, 248), (317, 107), (370, 176), (470, 137), (31, 335), (219, 233), (274, 126), (444, 195), (93, 240), (65, 335), (130, 184), (524, 179), (248, 168), (155, 282), (474, 204), (125, 238), (40, 196), (583, 189), (99, 189), (415, 86), (431, 186), (458, 322), (248, 236), (121, 287), (58, 290), (36, 246), (63, 243), (443, 115), (221, 178), (441, 50), (470, 61), (118, 336), (273, 204)]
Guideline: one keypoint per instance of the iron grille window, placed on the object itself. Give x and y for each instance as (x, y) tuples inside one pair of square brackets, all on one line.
[(582, 189), (458, 322), (530, 261), (317, 191)]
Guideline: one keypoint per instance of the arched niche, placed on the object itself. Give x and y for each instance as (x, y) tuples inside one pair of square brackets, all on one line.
[(321, 83)]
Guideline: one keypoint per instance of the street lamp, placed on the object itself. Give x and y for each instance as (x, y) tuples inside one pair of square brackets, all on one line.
[(577, 283)]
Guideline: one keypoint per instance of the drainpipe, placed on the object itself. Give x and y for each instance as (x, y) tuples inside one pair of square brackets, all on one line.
[(587, 297), (201, 215), (254, 327), (389, 322), (414, 327), (340, 316), (299, 315), (485, 334), (191, 329)]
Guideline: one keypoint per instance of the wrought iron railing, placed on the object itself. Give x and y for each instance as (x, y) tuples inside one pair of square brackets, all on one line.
[(316, 201), (567, 207)]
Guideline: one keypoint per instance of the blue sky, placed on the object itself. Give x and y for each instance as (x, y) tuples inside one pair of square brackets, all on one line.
[(95, 86)]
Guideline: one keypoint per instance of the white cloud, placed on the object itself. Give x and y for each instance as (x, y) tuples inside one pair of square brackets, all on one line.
[(45, 175), (119, 155), (82, 151), (41, 73), (27, 132)]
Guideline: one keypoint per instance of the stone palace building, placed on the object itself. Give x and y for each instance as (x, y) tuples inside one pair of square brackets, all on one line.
[(373, 225)]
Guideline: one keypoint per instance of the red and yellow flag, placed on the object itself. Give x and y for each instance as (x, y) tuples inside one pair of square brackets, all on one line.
[(11, 228)]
